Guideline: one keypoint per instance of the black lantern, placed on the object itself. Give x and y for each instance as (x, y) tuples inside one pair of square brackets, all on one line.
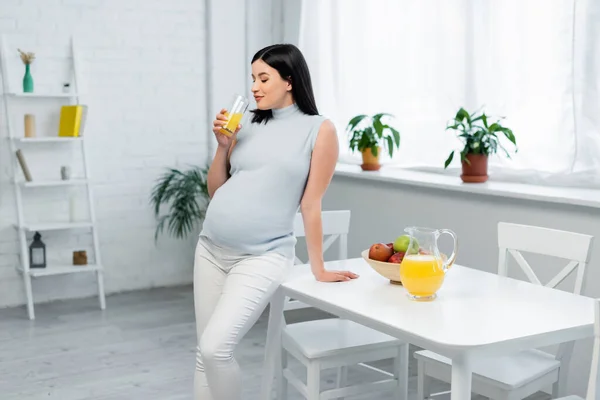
[(37, 252)]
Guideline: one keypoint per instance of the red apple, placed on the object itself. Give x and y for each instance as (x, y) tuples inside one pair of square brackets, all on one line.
[(396, 257), (380, 252), (390, 245)]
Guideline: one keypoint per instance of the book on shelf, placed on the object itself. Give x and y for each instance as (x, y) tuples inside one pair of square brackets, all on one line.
[(72, 120)]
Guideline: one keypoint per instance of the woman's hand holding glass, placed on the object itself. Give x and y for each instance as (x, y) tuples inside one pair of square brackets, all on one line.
[(227, 124), (224, 138)]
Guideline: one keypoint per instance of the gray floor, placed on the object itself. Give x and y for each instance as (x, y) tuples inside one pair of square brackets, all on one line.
[(140, 347)]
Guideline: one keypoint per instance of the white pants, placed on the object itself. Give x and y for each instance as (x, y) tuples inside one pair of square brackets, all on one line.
[(230, 292)]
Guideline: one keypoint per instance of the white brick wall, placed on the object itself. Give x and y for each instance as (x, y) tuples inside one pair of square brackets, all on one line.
[(143, 76)]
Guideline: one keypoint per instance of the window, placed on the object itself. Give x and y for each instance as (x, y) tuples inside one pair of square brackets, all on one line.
[(535, 63)]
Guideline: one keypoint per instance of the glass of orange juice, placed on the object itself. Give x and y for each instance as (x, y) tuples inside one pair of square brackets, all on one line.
[(424, 268), (234, 114)]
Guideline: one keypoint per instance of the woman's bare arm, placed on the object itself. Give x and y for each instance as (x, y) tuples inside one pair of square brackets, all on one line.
[(218, 173), (322, 167)]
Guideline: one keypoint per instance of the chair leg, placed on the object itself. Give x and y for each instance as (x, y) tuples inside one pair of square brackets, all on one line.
[(401, 372), (423, 382), (558, 387), (313, 380), (342, 376), (282, 383)]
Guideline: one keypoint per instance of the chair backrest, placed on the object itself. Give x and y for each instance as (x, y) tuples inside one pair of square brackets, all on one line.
[(575, 247), (336, 225), (594, 381)]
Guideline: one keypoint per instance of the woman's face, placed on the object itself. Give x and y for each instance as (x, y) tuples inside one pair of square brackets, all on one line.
[(269, 89)]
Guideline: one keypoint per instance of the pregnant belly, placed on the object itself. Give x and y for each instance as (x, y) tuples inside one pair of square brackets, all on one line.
[(253, 218)]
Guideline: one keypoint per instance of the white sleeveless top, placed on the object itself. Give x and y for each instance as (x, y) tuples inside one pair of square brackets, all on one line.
[(253, 211)]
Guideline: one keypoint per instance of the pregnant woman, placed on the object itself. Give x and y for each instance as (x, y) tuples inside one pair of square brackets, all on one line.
[(281, 162)]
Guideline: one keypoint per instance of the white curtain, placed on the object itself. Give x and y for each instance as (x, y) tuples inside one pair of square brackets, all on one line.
[(534, 62)]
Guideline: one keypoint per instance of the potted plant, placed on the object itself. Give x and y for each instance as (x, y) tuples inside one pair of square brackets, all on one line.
[(368, 134), (186, 194), (480, 139)]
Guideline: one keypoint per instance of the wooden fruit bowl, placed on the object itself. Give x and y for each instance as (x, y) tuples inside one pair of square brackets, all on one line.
[(389, 270)]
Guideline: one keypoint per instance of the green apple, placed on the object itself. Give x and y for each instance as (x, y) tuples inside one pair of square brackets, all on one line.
[(402, 242)]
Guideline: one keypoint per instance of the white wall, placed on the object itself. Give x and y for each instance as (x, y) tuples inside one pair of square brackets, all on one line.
[(147, 82), (144, 73), (381, 211)]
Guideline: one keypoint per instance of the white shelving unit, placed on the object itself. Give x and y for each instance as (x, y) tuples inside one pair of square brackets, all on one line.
[(70, 182), (23, 188), (41, 95), (48, 140)]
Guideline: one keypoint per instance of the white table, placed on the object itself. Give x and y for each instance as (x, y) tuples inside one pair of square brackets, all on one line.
[(476, 314)]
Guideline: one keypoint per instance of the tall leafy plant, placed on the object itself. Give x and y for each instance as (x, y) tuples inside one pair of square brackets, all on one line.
[(369, 132), (185, 193), (478, 135)]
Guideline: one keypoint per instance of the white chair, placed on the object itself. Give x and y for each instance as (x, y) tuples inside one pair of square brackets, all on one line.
[(516, 376), (594, 380), (335, 342)]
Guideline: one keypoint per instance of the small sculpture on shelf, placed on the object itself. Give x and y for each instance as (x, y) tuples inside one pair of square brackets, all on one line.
[(27, 59), (65, 173), (37, 252)]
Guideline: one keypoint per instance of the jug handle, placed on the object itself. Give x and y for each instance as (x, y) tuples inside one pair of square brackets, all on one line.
[(452, 257)]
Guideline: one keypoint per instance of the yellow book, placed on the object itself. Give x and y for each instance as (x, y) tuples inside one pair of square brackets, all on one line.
[(70, 120)]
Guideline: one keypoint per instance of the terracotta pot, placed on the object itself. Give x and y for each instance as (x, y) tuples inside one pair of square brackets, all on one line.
[(476, 170), (370, 162)]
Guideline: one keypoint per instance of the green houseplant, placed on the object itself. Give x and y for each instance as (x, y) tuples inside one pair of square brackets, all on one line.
[(186, 195), (368, 134), (480, 139)]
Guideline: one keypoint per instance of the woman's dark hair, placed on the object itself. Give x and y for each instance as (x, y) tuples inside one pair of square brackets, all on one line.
[(291, 65)]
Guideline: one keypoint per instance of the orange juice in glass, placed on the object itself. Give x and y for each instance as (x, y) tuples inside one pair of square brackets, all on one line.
[(235, 114), (422, 272)]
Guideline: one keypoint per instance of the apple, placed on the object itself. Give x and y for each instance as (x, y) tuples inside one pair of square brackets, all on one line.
[(390, 245), (396, 257), (402, 242), (380, 252)]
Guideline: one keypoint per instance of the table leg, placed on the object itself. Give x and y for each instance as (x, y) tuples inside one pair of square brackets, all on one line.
[(401, 371), (461, 378), (273, 343)]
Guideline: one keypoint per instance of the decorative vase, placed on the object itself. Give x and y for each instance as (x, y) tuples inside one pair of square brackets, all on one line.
[(29, 121), (475, 171), (27, 80), (370, 161)]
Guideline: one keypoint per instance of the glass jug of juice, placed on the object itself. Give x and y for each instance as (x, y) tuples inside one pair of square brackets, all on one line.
[(422, 271)]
